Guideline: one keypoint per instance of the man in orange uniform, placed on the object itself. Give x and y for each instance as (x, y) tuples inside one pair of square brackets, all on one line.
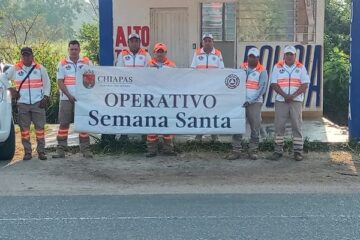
[(207, 57), (32, 92), (66, 76), (160, 61), (256, 85), (289, 80)]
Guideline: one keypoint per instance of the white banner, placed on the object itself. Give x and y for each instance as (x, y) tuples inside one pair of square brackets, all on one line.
[(115, 100)]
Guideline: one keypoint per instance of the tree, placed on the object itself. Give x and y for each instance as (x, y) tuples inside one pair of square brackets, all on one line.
[(337, 26), (32, 20), (89, 37), (336, 60)]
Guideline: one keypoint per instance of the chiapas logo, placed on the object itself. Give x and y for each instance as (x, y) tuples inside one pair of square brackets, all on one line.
[(89, 79)]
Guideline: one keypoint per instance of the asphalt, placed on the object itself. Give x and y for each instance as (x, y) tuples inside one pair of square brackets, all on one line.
[(182, 216)]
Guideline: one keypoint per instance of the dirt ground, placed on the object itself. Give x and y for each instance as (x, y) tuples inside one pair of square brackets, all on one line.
[(193, 172)]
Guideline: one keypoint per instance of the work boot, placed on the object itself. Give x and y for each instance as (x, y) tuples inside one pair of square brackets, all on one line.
[(86, 152), (298, 156), (151, 149), (42, 156), (27, 157), (276, 156), (233, 155), (214, 138), (60, 152), (169, 148)]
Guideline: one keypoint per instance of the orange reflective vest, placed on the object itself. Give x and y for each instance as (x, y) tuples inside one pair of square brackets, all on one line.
[(289, 78), (67, 71), (253, 80), (128, 59), (166, 64), (202, 60), (32, 89)]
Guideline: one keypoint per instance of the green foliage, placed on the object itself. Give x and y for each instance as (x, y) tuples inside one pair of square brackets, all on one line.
[(267, 145), (26, 21), (336, 84), (49, 55), (336, 60), (337, 26), (89, 38)]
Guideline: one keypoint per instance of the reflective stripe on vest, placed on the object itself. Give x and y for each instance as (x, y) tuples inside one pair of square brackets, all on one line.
[(70, 69), (32, 89), (253, 80), (289, 82), (166, 63), (210, 60), (131, 60)]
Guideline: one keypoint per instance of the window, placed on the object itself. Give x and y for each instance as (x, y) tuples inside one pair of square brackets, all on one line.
[(219, 20), (277, 20)]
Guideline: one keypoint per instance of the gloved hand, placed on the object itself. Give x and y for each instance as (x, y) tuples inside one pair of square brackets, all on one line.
[(43, 102)]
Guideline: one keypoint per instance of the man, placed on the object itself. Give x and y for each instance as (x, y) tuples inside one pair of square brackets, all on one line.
[(66, 76), (256, 85), (32, 93), (207, 57), (160, 61), (290, 81), (132, 57), (135, 56)]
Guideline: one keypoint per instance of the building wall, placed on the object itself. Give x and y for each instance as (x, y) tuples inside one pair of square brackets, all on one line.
[(134, 16)]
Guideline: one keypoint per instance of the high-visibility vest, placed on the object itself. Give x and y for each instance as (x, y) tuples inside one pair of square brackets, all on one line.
[(253, 80), (128, 59), (166, 64), (32, 90), (289, 79), (202, 60), (67, 71)]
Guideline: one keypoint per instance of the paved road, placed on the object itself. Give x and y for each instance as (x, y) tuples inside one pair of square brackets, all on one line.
[(185, 216)]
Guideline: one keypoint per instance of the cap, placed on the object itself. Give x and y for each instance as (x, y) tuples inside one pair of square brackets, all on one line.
[(26, 50), (159, 46), (254, 51), (133, 35), (290, 49), (207, 35)]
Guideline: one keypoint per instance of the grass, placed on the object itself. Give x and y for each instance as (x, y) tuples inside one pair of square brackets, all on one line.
[(267, 145)]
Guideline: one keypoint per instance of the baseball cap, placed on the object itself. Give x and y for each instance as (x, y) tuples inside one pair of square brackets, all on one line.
[(207, 35), (133, 35), (290, 49), (26, 50), (254, 51), (159, 46)]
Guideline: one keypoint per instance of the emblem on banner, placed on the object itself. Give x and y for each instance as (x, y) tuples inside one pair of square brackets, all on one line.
[(89, 79), (232, 81)]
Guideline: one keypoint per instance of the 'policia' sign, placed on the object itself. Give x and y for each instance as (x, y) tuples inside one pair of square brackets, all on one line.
[(164, 101)]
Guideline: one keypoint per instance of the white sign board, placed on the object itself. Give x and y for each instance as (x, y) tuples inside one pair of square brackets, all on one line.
[(115, 100)]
